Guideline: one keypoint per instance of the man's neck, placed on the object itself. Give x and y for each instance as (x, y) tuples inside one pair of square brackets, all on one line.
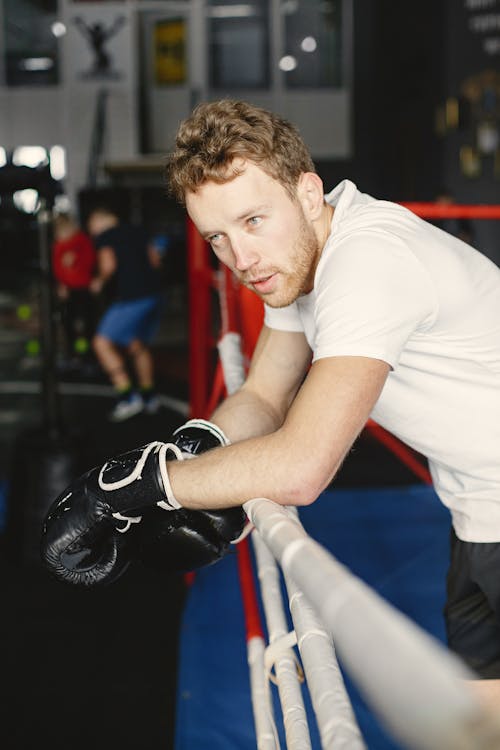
[(324, 225)]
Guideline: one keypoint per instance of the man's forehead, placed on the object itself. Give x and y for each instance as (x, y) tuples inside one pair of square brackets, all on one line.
[(247, 175)]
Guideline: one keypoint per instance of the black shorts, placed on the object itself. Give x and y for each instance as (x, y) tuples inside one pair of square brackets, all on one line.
[(472, 611)]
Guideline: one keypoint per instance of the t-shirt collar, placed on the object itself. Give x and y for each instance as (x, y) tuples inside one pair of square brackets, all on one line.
[(341, 197)]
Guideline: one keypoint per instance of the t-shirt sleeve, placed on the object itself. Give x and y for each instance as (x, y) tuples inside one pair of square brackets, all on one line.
[(283, 318), (372, 295), (105, 239)]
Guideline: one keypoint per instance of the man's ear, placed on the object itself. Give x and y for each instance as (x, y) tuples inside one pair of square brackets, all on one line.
[(311, 194)]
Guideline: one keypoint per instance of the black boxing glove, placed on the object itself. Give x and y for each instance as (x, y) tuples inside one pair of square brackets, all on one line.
[(188, 539), (89, 533)]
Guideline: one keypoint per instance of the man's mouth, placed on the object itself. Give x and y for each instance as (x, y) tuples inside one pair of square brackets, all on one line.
[(263, 284)]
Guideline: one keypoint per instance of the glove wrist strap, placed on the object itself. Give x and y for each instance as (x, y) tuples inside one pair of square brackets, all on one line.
[(209, 426), (171, 503)]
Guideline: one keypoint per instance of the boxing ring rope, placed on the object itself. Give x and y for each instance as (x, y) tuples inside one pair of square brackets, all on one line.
[(413, 684), (421, 698), (453, 211), (265, 726), (331, 704), (332, 707), (336, 721), (406, 455), (280, 654)]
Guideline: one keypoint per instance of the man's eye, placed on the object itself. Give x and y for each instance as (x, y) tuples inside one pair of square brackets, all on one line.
[(255, 220), (214, 238)]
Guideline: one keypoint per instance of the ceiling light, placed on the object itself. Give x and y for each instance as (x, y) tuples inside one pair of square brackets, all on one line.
[(309, 44), (36, 64), (231, 11), (58, 28), (287, 63)]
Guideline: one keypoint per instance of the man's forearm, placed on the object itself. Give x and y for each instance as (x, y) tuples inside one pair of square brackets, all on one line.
[(228, 476), (293, 462), (244, 415)]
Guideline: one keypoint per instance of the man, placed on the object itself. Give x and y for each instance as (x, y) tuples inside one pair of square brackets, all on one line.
[(369, 311), (127, 259)]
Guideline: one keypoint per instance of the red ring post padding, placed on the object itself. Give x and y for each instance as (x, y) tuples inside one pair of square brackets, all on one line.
[(253, 620), (200, 280)]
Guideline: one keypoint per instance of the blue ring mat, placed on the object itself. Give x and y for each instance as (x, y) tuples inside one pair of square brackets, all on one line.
[(395, 539)]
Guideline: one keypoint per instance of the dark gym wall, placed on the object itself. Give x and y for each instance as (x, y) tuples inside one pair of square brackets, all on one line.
[(398, 83), (408, 58), (465, 56)]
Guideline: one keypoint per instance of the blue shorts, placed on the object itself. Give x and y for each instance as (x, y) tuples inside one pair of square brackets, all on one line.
[(132, 319)]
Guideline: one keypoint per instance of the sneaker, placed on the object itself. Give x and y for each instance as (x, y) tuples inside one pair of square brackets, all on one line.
[(152, 404), (126, 407)]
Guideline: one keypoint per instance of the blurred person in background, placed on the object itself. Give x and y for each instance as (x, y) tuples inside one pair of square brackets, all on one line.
[(128, 270), (73, 264)]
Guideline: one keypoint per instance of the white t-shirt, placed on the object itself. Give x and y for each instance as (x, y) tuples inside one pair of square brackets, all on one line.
[(394, 287)]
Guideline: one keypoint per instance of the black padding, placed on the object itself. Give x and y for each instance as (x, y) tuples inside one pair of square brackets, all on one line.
[(184, 540), (79, 542), (89, 532)]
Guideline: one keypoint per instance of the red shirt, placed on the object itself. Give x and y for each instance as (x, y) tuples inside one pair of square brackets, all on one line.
[(73, 260)]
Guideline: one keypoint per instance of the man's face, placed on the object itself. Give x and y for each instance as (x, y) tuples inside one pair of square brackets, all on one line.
[(259, 232)]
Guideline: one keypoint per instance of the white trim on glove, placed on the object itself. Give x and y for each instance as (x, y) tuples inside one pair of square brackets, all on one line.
[(133, 476), (136, 474), (171, 503)]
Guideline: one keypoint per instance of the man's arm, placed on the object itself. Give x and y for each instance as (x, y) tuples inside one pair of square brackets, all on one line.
[(290, 462), (302, 438), (278, 366), (117, 511), (106, 267)]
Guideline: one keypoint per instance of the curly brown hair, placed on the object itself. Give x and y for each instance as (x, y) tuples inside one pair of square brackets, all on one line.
[(217, 133)]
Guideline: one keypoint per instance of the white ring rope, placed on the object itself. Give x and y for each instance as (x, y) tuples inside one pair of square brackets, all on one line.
[(275, 650), (231, 359), (265, 726), (334, 714), (335, 717), (413, 684), (280, 651)]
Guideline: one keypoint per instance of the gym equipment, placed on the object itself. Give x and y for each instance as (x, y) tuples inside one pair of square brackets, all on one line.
[(46, 457)]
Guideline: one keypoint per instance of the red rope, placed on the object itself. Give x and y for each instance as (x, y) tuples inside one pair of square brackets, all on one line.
[(253, 621), (453, 211), (405, 454)]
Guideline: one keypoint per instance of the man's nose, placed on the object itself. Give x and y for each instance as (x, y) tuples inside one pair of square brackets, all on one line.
[(244, 255)]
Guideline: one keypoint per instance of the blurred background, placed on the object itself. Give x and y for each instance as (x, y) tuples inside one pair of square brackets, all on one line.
[(403, 98)]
